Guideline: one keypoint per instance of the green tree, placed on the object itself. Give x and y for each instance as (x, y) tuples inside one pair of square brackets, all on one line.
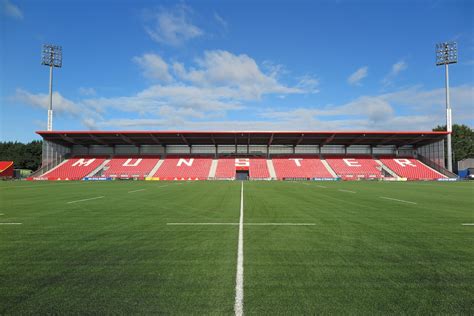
[(462, 141), (24, 156)]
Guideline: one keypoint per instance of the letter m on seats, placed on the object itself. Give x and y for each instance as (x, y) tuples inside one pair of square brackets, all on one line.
[(83, 162), (188, 163)]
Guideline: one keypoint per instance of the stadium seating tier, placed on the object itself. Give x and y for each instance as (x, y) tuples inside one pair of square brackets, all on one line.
[(300, 167), (410, 168)]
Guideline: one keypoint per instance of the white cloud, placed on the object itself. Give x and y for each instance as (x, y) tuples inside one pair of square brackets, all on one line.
[(153, 67), (396, 69), (60, 103), (12, 10), (86, 91), (171, 26), (220, 20), (357, 76), (309, 84), (205, 108), (238, 73), (380, 112)]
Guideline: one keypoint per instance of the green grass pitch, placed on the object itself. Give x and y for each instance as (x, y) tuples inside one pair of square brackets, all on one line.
[(405, 253)]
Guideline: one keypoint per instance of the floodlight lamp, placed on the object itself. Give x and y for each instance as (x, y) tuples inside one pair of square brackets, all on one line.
[(52, 55), (446, 53)]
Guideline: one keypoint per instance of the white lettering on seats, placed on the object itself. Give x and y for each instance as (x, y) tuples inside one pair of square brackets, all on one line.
[(351, 162), (242, 162), (128, 162), (297, 161), (404, 162), (83, 162), (186, 162)]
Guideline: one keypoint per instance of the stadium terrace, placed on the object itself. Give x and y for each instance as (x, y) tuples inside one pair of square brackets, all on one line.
[(207, 155)]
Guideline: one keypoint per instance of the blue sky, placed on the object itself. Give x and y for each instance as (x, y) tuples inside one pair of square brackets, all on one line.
[(233, 65)]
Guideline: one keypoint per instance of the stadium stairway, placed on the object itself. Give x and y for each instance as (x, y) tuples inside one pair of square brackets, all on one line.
[(212, 171), (96, 172), (40, 172), (386, 169), (156, 167), (328, 167), (271, 169)]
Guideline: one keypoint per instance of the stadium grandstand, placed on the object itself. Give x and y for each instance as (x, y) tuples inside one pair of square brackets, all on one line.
[(185, 155)]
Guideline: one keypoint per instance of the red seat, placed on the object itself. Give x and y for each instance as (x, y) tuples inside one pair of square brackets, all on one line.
[(126, 167), (412, 169), (300, 167), (257, 167), (225, 168), (184, 168), (75, 168), (356, 167)]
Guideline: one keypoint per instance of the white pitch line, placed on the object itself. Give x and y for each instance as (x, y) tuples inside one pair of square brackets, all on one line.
[(392, 199), (468, 224), (199, 224), (2, 214), (249, 224), (321, 186), (348, 191), (239, 277), (11, 223), (83, 200), (280, 224), (136, 190)]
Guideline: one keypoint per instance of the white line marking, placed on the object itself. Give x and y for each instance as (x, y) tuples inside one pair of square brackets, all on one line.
[(321, 186), (2, 214), (348, 191), (239, 278), (11, 223), (280, 224), (392, 199), (468, 224), (136, 190), (94, 198), (249, 224), (197, 224)]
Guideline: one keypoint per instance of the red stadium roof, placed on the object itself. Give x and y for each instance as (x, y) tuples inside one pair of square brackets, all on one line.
[(110, 138)]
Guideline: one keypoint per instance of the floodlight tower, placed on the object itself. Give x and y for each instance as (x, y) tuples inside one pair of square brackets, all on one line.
[(447, 53), (52, 56)]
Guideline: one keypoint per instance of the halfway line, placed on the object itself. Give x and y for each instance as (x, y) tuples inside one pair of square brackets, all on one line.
[(94, 198), (392, 199), (239, 277)]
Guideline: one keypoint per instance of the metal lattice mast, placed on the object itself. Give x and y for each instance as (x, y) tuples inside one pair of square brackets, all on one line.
[(52, 56), (447, 53)]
